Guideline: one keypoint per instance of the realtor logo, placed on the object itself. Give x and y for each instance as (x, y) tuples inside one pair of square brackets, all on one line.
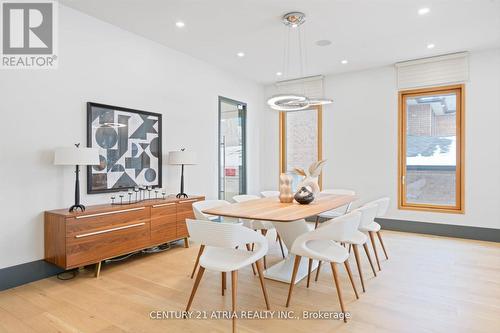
[(28, 34)]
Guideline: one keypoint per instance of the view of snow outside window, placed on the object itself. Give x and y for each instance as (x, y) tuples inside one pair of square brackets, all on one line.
[(431, 153)]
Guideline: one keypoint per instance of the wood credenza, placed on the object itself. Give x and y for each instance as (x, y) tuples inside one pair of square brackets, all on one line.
[(106, 231)]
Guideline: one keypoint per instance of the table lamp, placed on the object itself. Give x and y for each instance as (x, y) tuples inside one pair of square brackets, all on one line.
[(182, 157), (76, 156)]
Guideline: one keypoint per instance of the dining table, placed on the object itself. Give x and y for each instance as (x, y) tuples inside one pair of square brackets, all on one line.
[(289, 221)]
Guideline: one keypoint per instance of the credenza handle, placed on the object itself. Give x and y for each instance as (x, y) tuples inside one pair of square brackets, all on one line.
[(165, 204), (109, 213), (110, 230), (192, 200)]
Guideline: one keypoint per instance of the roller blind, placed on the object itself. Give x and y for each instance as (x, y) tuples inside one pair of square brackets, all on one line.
[(447, 69), (309, 86)]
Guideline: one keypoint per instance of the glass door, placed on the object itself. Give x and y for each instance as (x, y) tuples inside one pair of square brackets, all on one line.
[(232, 149)]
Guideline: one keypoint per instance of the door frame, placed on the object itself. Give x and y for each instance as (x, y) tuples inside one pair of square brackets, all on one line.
[(243, 115)]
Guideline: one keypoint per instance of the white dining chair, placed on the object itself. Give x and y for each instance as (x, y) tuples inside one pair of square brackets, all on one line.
[(358, 238), (222, 254), (339, 211), (198, 208), (263, 226), (320, 244), (368, 213), (373, 227), (270, 194)]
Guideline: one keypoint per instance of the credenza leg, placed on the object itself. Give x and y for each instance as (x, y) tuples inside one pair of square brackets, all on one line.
[(186, 242), (97, 269)]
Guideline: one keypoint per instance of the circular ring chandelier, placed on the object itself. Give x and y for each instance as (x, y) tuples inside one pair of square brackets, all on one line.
[(291, 101)]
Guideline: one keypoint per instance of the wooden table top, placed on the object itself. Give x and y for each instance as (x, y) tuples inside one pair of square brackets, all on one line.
[(271, 209)]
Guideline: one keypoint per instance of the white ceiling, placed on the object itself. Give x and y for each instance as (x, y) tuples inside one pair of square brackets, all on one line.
[(368, 33)]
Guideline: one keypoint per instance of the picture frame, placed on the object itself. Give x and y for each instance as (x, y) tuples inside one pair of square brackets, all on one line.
[(130, 148)]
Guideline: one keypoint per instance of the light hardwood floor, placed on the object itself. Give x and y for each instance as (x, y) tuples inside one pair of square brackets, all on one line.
[(429, 284)]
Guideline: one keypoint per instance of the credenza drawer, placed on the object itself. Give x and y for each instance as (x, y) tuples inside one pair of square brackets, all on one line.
[(184, 211), (88, 223), (163, 222), (101, 244)]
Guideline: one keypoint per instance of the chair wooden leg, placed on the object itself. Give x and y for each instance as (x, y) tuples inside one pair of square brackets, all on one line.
[(337, 286), (234, 285), (350, 245), (281, 245), (200, 252), (317, 222), (264, 232), (309, 271), (365, 246), (195, 286), (292, 281), (348, 269), (223, 282), (358, 263), (382, 243), (372, 239), (317, 271), (262, 285), (250, 250)]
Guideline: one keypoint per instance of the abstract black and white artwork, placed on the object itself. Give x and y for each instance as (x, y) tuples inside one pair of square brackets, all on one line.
[(129, 143)]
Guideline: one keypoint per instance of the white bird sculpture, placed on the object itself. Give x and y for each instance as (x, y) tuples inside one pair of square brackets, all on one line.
[(311, 179)]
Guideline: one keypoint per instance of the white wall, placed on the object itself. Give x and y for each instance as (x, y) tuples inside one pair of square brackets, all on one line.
[(360, 141), (42, 110)]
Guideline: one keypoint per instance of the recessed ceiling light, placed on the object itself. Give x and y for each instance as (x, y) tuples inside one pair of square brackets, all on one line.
[(323, 42), (430, 46), (423, 11), (279, 73), (240, 54), (344, 62), (180, 24)]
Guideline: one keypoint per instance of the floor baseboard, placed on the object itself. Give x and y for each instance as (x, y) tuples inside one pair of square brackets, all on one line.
[(14, 276), (438, 229)]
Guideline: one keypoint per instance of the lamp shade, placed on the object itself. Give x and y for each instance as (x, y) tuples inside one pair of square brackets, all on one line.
[(76, 156), (181, 157)]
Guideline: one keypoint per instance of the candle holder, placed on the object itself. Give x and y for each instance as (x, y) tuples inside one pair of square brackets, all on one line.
[(140, 195)]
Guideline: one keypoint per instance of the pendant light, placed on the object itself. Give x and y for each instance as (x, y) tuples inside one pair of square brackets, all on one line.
[(292, 101)]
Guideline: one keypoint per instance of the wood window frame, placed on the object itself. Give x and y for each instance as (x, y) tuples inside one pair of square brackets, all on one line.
[(459, 207), (282, 139)]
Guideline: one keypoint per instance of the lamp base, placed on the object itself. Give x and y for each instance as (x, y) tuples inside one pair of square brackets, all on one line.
[(76, 207), (181, 195)]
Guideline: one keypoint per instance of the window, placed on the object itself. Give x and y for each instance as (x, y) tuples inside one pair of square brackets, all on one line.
[(300, 140), (431, 149)]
